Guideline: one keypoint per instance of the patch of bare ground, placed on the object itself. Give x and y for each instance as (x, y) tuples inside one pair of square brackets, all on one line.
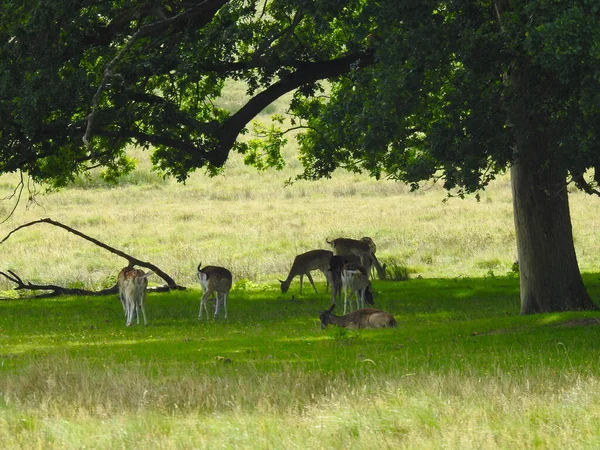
[(580, 322), (500, 331), (583, 322)]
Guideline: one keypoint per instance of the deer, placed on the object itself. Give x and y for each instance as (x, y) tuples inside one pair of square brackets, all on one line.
[(120, 281), (132, 292), (364, 249), (361, 318), (214, 279), (305, 263), (336, 264), (356, 280)]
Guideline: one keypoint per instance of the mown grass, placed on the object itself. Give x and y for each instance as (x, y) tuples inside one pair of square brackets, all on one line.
[(462, 370)]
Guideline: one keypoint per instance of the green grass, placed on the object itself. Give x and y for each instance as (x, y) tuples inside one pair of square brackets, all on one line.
[(462, 370)]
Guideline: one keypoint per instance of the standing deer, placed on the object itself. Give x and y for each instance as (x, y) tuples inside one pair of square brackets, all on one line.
[(120, 281), (356, 280), (336, 264), (305, 263), (214, 279), (132, 291), (362, 318), (364, 249)]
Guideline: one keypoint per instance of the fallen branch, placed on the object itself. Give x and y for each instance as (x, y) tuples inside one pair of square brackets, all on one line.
[(59, 290)]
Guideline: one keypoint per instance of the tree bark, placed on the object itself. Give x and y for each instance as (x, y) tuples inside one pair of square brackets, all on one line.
[(550, 279)]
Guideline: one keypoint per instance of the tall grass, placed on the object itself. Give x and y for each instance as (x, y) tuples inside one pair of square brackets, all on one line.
[(255, 225)]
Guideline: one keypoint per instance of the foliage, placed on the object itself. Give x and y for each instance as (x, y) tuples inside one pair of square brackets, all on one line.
[(456, 86), (80, 82), (395, 270), (419, 90)]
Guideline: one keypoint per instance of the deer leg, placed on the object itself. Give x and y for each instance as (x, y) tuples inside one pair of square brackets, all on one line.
[(327, 280), (205, 297), (311, 281), (143, 309), (123, 304), (130, 310), (217, 305)]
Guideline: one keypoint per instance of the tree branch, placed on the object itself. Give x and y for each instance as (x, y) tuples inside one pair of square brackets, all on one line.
[(171, 284), (307, 72), (206, 9), (586, 187)]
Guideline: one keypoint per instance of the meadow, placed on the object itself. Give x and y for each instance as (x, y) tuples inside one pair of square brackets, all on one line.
[(462, 370)]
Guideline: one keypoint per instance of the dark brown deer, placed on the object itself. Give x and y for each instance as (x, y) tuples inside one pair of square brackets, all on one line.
[(362, 318), (364, 249)]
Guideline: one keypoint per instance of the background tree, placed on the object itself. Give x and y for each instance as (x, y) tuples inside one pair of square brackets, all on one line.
[(456, 91), (462, 90)]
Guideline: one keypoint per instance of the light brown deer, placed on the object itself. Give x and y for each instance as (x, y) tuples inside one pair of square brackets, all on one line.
[(364, 249), (214, 279), (132, 291), (362, 318), (356, 281), (305, 263), (120, 281)]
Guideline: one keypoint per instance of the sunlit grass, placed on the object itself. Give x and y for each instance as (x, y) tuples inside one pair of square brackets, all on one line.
[(462, 370), (254, 225)]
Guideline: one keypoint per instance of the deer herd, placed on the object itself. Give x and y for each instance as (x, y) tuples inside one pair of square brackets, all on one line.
[(346, 268)]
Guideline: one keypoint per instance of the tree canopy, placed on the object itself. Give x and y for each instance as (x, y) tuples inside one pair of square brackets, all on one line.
[(420, 89), (457, 85), (79, 81)]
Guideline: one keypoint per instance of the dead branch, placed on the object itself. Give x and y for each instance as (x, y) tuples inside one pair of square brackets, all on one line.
[(58, 290)]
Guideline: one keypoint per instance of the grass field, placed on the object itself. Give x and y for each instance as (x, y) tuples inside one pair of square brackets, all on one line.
[(251, 223), (462, 370)]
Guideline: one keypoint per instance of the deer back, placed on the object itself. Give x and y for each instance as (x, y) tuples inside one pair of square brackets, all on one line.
[(215, 278)]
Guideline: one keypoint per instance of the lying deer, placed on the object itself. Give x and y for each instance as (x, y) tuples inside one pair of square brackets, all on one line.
[(132, 292), (362, 318), (305, 263), (214, 279)]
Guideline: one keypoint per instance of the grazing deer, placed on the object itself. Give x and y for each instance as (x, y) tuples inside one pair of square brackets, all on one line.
[(356, 280), (364, 249), (214, 279), (305, 263), (361, 318), (132, 291)]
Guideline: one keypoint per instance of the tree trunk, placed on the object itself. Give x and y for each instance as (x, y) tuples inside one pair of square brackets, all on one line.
[(549, 273)]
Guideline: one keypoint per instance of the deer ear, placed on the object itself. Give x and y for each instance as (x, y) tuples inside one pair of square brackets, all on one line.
[(281, 281)]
